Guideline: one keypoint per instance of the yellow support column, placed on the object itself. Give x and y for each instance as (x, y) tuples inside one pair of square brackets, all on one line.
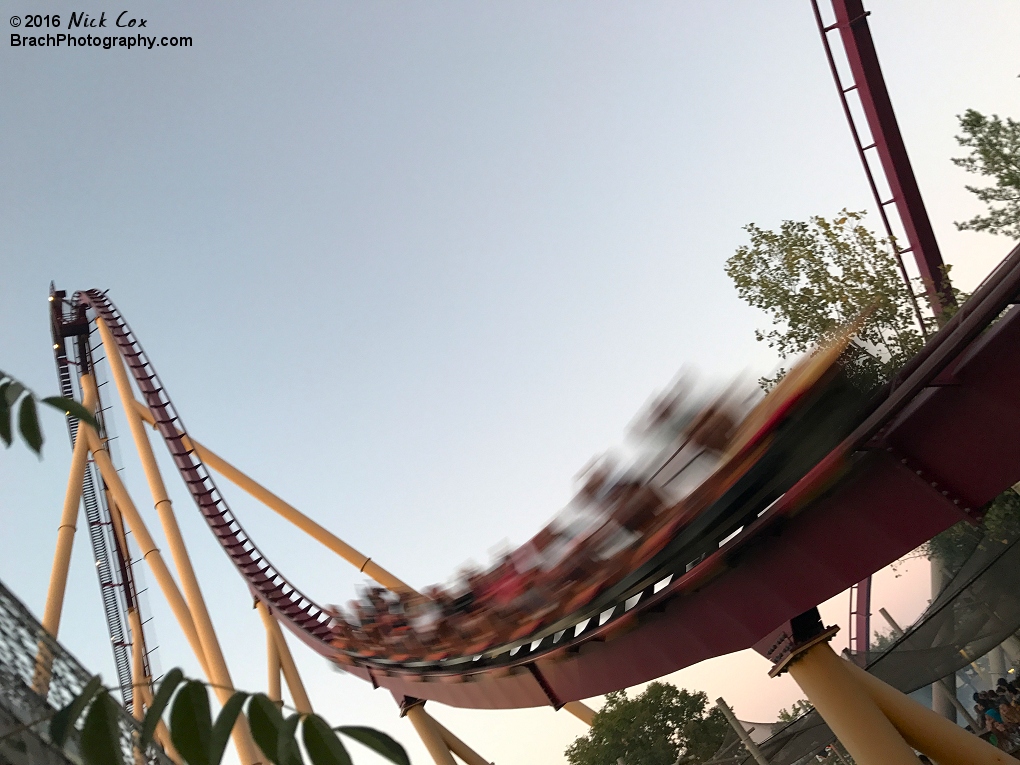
[(162, 737), (242, 738), (162, 734), (362, 562), (455, 745), (164, 508), (68, 521), (62, 555), (150, 553), (930, 733), (274, 692), (290, 672), (217, 664), (430, 735), (139, 679), (581, 711), (856, 720)]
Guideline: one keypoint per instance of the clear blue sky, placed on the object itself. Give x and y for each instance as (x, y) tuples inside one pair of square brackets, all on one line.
[(412, 264)]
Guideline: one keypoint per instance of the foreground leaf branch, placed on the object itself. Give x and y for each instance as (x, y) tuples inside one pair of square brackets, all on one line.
[(15, 396), (201, 740)]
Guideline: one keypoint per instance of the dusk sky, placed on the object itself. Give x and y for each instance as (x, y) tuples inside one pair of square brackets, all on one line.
[(412, 264)]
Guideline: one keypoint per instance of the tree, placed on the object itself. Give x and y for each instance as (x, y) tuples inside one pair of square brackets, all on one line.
[(814, 277), (798, 709), (658, 727), (1001, 523), (994, 152), (882, 641)]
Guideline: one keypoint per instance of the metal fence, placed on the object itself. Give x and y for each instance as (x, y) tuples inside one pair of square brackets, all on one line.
[(977, 610), (33, 663)]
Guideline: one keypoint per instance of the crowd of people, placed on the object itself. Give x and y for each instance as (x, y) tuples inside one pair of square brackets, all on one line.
[(681, 454), (997, 713)]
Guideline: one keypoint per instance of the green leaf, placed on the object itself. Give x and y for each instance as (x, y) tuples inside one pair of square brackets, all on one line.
[(322, 744), (378, 742), (28, 424), (64, 720), (13, 391), (224, 725), (73, 408), (171, 680), (266, 722), (100, 738), (286, 745), (5, 416), (191, 723)]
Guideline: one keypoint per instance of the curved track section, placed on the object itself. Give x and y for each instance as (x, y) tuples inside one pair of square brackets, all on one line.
[(300, 613), (939, 445)]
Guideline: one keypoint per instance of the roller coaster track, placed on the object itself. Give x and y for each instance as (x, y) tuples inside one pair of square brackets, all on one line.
[(116, 578), (939, 444), (285, 600)]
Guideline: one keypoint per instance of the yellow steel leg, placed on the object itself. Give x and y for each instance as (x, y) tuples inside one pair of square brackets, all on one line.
[(62, 555), (68, 525), (455, 745), (430, 735), (162, 734), (275, 693), (290, 672), (928, 732), (162, 737), (582, 712), (141, 682), (182, 561), (161, 501), (242, 738), (137, 666), (362, 562), (855, 719), (150, 553), (43, 672)]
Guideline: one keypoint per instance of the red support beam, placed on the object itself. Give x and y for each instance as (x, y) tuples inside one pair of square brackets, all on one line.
[(852, 22)]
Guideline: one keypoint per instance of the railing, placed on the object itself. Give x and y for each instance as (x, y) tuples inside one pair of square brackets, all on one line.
[(22, 641)]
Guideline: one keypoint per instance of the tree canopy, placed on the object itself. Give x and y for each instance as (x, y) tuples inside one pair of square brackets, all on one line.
[(655, 728), (1001, 523), (994, 145), (813, 277), (798, 709)]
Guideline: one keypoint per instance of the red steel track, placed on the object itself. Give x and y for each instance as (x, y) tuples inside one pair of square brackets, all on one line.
[(941, 444)]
